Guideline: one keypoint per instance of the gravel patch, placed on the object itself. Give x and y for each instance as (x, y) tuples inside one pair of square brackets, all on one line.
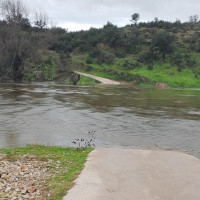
[(24, 178)]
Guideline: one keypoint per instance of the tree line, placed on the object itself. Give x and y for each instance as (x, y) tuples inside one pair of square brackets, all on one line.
[(32, 51), (146, 43), (25, 46)]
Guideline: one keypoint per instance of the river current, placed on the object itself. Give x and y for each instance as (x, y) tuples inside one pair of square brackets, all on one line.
[(121, 116)]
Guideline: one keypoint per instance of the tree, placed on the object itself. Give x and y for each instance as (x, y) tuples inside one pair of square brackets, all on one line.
[(41, 20), (193, 19), (156, 20), (111, 35), (14, 40), (135, 17), (163, 43)]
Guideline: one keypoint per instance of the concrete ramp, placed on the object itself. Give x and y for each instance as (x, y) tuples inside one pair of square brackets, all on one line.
[(127, 174)]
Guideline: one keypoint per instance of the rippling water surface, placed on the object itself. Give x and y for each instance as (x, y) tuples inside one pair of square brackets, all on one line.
[(121, 116)]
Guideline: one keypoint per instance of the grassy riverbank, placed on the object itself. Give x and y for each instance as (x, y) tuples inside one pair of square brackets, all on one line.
[(87, 81), (62, 165), (160, 72)]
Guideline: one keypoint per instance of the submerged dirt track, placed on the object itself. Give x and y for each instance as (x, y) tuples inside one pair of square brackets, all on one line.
[(128, 174), (104, 81)]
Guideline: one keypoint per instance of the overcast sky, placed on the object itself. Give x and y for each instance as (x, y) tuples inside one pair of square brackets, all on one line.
[(83, 14)]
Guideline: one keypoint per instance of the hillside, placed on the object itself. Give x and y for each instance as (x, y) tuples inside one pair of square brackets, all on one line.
[(142, 53), (145, 53)]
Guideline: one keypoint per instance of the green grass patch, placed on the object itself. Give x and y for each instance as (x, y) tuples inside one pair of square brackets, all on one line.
[(87, 81), (71, 162), (169, 75), (161, 72)]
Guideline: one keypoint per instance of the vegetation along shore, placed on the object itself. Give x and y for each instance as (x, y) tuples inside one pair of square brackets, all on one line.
[(140, 52), (39, 172)]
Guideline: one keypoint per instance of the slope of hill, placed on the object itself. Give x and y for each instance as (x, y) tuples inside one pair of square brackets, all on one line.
[(144, 53), (151, 52)]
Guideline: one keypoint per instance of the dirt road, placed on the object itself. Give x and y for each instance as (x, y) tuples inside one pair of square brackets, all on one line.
[(100, 79)]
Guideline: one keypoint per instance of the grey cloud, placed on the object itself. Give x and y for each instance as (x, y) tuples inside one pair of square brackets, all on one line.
[(117, 11)]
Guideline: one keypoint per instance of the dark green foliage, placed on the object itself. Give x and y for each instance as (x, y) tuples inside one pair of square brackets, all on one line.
[(163, 43), (89, 68), (28, 52), (147, 43), (120, 53), (89, 61), (150, 67), (111, 35), (26, 24), (109, 58), (147, 57), (183, 60), (94, 53), (129, 64), (135, 17), (45, 51), (133, 41)]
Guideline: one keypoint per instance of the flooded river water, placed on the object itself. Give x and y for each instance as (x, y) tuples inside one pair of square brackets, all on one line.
[(124, 116)]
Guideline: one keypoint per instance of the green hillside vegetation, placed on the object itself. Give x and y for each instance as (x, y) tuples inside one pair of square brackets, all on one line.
[(25, 47), (87, 81), (161, 72), (145, 52), (156, 51)]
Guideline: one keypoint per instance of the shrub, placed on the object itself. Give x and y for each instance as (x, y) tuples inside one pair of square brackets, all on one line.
[(120, 53), (94, 53), (109, 58), (89, 68), (128, 64), (150, 67), (163, 42), (89, 61)]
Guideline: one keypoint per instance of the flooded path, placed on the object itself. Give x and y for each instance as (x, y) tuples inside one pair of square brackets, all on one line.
[(104, 81)]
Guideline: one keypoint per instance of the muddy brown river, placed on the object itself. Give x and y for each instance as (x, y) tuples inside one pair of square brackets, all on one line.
[(52, 114)]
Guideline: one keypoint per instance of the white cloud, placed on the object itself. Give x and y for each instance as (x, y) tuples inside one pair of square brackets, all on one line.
[(77, 26)]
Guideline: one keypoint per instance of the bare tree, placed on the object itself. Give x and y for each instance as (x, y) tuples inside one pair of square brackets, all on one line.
[(41, 20), (193, 19), (14, 40), (5, 62)]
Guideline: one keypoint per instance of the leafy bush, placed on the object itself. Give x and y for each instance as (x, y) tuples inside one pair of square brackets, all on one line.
[(109, 58), (120, 53), (183, 60), (128, 64), (146, 57), (94, 53), (89, 61), (89, 68), (150, 67), (163, 42)]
